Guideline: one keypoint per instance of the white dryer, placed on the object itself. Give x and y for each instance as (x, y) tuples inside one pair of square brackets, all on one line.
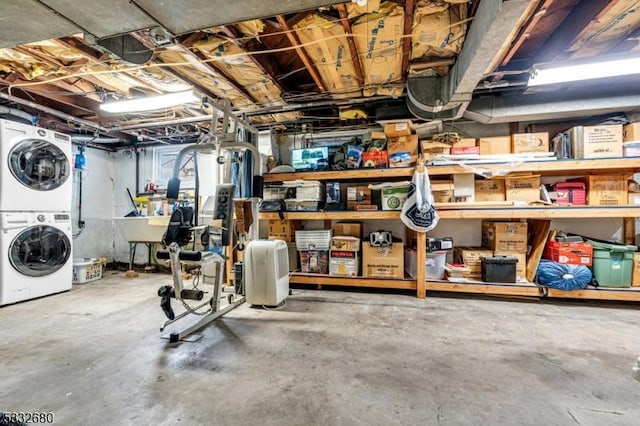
[(35, 255), (36, 171)]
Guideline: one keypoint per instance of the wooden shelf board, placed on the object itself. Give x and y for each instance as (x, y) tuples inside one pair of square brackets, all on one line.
[(333, 215), (321, 279), (373, 174), (549, 168), (485, 288), (631, 294), (473, 212)]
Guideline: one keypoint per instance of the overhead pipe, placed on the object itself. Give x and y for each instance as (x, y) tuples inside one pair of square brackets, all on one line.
[(54, 112), (94, 139), (16, 113)]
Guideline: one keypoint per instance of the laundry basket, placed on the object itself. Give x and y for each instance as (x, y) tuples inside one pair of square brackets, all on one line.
[(86, 269)]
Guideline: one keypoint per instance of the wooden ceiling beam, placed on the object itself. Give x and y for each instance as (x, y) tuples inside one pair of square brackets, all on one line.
[(355, 58), (407, 41), (293, 39), (526, 31)]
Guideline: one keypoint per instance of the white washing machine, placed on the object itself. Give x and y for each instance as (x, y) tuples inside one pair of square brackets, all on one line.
[(35, 255), (36, 169)]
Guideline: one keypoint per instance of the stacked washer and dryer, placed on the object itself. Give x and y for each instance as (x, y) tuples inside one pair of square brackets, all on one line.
[(35, 212)]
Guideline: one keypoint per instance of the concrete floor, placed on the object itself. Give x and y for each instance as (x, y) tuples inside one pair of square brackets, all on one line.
[(93, 356)]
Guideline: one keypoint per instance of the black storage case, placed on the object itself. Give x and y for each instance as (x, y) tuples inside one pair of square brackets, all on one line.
[(499, 269)]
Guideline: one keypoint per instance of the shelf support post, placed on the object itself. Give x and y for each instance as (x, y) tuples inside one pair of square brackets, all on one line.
[(421, 265)]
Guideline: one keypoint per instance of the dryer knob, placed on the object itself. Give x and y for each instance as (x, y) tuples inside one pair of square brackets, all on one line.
[(41, 218)]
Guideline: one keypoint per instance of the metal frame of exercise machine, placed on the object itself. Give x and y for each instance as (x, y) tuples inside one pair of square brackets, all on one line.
[(214, 141)]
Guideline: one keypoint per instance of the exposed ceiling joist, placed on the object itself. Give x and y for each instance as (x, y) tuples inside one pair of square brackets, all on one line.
[(293, 39), (355, 58), (406, 43)]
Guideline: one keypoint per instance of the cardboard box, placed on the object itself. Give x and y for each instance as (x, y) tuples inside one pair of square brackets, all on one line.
[(344, 243), (402, 151), (530, 142), (314, 261), (465, 143), (383, 262), (569, 253), (401, 128), (358, 195), (378, 135), (596, 141), (631, 132), (634, 198), (635, 280), (522, 188), (442, 190), (284, 230), (503, 237), (465, 150), (521, 266), (496, 145), (343, 263), (470, 257), (464, 188), (348, 229), (432, 149), (606, 190), (490, 190)]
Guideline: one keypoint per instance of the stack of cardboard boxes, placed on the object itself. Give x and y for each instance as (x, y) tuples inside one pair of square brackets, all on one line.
[(498, 239)]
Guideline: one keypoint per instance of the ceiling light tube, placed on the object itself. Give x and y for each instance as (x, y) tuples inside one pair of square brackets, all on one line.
[(150, 103), (568, 72)]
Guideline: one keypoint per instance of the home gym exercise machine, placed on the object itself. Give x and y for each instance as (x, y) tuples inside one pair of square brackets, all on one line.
[(231, 134)]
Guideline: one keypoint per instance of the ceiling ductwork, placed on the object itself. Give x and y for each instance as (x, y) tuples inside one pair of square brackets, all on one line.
[(552, 105), (447, 97)]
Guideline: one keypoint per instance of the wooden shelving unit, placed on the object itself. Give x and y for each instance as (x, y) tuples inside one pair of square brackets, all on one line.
[(461, 211)]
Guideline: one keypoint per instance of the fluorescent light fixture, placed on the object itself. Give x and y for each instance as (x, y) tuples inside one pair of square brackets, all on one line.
[(150, 103), (567, 72)]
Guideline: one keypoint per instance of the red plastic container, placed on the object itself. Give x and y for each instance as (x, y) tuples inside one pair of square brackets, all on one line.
[(573, 193), (569, 253)]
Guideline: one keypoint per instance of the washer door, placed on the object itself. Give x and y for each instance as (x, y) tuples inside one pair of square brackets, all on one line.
[(39, 251), (39, 165)]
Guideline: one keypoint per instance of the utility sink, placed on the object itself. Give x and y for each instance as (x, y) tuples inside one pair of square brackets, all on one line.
[(147, 229)]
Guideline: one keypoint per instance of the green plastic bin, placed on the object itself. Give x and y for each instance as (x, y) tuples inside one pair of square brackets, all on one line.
[(612, 264)]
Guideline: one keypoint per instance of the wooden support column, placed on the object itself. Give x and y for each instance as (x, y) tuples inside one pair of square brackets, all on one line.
[(421, 262), (629, 230)]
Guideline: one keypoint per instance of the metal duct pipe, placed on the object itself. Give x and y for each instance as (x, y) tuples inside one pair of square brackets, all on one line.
[(94, 139), (16, 113), (53, 112), (550, 106)]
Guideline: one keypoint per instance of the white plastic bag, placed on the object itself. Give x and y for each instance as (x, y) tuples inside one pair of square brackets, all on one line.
[(418, 212)]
